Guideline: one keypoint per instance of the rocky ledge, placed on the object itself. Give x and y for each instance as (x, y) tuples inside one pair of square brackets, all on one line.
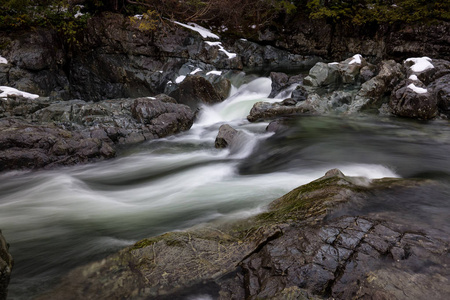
[(6, 265), (303, 247), (39, 133)]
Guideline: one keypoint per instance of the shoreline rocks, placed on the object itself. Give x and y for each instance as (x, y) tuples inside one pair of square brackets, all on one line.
[(42, 134), (302, 245), (6, 266)]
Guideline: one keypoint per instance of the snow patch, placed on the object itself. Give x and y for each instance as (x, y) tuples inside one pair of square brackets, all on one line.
[(6, 91), (413, 77), (205, 33), (333, 63), (221, 48), (417, 89), (152, 98), (196, 71), (139, 17), (356, 59), (214, 73), (3, 60), (420, 64), (180, 79)]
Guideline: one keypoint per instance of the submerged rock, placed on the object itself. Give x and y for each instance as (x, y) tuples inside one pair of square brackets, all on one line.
[(300, 247), (6, 265)]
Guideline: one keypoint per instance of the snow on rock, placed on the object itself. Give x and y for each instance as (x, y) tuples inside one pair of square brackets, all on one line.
[(413, 77), (3, 60), (205, 33), (417, 89), (356, 59), (420, 64), (196, 71), (333, 63), (180, 79), (6, 90), (214, 73), (221, 48)]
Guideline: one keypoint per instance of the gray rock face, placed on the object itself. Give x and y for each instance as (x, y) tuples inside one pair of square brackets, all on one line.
[(6, 265), (269, 111), (372, 91), (24, 145), (225, 136), (441, 89), (281, 81), (413, 100), (298, 248), (64, 133)]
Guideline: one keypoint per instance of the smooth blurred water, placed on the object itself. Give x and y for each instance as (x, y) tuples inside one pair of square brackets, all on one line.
[(56, 220)]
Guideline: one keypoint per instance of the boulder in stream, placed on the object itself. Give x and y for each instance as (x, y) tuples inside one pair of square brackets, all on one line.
[(225, 136), (305, 245), (195, 90)]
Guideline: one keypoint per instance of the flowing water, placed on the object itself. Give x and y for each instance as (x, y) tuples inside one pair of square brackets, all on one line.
[(57, 220)]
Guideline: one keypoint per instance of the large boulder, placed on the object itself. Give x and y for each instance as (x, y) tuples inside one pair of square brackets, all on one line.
[(302, 247), (441, 89), (412, 99), (6, 265), (196, 90)]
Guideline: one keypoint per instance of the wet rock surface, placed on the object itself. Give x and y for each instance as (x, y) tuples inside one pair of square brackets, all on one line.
[(6, 266), (40, 133), (303, 247), (195, 90), (28, 146)]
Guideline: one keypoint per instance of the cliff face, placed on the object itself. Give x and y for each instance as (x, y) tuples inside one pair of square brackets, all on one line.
[(115, 59), (336, 42)]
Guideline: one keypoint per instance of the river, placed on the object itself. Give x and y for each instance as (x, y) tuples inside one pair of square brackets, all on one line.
[(59, 219)]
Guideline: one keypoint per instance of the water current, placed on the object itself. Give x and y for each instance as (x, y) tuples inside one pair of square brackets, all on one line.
[(59, 219)]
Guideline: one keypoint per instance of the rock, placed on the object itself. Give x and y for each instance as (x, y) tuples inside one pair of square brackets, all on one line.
[(6, 266), (47, 134), (413, 100), (322, 74), (27, 146), (278, 125), (268, 111), (195, 90), (441, 89), (222, 86), (302, 246), (255, 55), (225, 136), (299, 94), (372, 92), (281, 81)]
